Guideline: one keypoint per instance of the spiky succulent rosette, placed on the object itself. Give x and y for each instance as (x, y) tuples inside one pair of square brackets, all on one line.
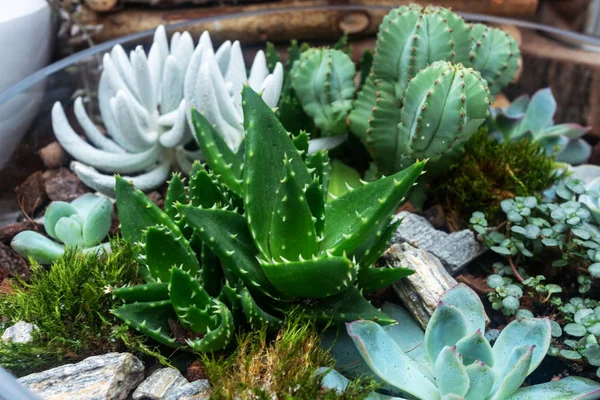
[(425, 95), (254, 238)]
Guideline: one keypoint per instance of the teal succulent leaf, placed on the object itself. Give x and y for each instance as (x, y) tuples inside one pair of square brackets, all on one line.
[(446, 327), (81, 224), (514, 372), (218, 155), (528, 332), (468, 302), (38, 246), (481, 380), (451, 372), (462, 362), (388, 361), (475, 347), (313, 278), (575, 388), (150, 318)]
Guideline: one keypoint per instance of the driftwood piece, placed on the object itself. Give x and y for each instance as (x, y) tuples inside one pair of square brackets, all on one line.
[(420, 292), (282, 26)]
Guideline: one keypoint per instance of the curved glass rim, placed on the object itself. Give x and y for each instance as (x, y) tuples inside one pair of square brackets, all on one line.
[(41, 74)]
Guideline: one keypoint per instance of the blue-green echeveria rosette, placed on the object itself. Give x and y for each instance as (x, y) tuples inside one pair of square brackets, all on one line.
[(457, 362)]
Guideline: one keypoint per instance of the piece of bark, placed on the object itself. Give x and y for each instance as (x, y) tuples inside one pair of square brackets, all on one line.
[(280, 26), (420, 292), (31, 194), (63, 185), (8, 232)]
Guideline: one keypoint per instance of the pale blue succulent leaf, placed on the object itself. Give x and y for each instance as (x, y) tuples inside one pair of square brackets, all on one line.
[(450, 372), (573, 388), (524, 332)]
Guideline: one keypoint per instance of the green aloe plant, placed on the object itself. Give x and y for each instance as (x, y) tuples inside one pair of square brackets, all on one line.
[(453, 360), (255, 238), (83, 224)]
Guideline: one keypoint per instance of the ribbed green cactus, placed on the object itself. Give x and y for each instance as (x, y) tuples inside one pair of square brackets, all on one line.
[(255, 238), (453, 360), (323, 80), (401, 112), (442, 106), (495, 54)]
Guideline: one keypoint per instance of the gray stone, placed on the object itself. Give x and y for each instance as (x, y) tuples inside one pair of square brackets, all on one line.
[(160, 384), (107, 377), (454, 250), (197, 390), (21, 332)]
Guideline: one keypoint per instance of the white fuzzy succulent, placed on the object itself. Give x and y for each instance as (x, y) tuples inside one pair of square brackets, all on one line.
[(145, 102)]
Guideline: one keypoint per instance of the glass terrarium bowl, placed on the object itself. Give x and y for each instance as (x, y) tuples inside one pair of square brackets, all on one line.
[(25, 108)]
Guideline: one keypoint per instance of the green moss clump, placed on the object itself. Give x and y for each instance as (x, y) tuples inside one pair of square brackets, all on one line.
[(68, 304), (282, 368), (489, 172)]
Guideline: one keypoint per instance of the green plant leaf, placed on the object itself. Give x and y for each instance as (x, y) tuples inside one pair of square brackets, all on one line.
[(151, 319), (527, 331), (365, 210), (574, 388), (388, 361), (267, 144), (293, 236), (451, 374), (164, 250), (154, 291), (190, 302), (219, 156), (227, 235), (445, 328), (313, 278)]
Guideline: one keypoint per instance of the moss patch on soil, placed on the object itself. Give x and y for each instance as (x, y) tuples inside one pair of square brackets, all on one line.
[(282, 368), (489, 172), (68, 304)]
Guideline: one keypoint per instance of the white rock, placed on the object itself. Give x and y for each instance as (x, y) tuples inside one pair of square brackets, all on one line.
[(107, 377), (21, 332), (197, 390), (160, 384)]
